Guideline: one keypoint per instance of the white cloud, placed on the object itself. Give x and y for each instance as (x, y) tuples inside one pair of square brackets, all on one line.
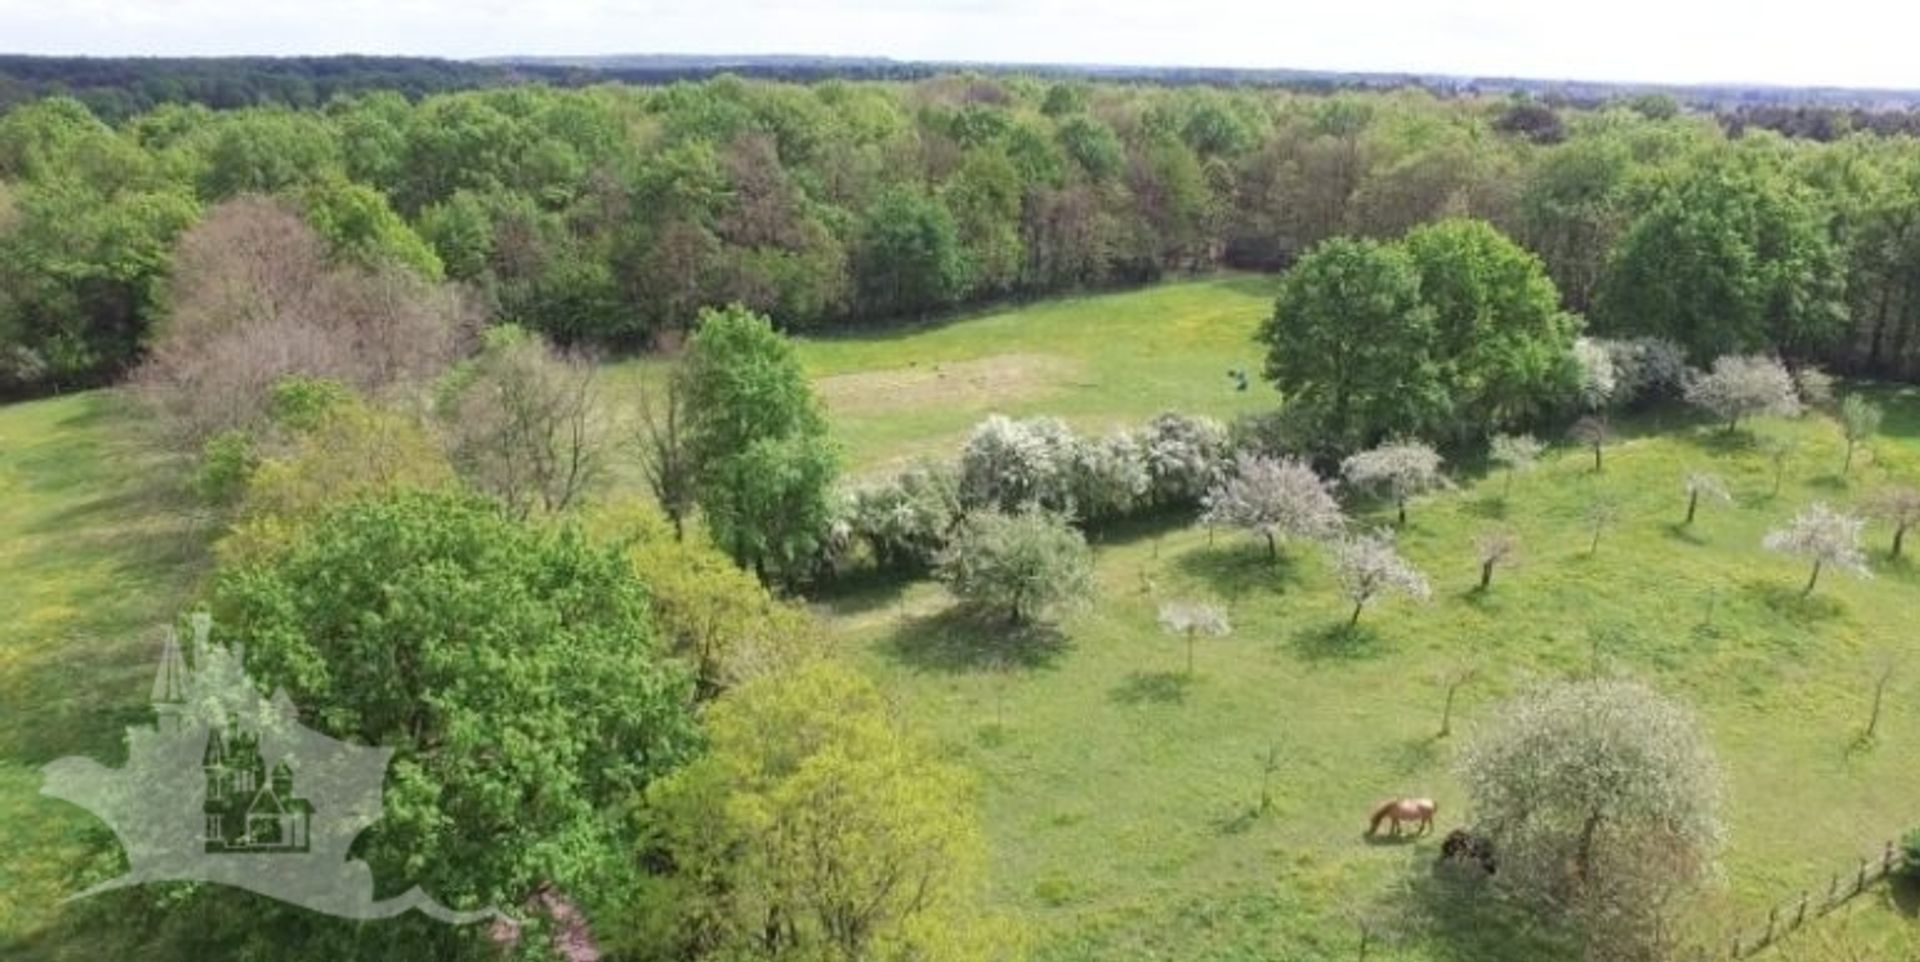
[(1850, 42)]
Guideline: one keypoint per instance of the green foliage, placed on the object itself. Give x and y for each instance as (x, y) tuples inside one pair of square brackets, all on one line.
[(910, 259), (763, 463), (360, 228), (811, 807), (300, 403), (1352, 342), (1020, 566), (226, 463), (514, 670)]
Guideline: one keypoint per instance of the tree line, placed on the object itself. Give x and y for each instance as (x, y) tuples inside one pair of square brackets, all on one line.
[(611, 215)]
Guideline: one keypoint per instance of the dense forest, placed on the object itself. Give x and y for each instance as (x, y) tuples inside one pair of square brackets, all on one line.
[(609, 215)]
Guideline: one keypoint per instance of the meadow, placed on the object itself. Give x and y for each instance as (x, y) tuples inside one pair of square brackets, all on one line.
[(1134, 810)]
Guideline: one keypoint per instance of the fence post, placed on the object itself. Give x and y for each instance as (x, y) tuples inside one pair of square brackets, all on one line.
[(1773, 916), (1860, 882), (1886, 861), (1833, 893), (1800, 917)]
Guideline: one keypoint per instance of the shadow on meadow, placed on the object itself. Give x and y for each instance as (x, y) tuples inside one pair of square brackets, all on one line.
[(1465, 918), (1338, 641), (1235, 566), (1152, 687), (954, 641), (1792, 603)]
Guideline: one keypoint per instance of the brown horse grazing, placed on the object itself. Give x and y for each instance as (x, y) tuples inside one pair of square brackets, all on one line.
[(1405, 810)]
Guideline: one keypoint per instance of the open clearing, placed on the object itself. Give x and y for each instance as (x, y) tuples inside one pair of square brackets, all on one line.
[(1118, 794)]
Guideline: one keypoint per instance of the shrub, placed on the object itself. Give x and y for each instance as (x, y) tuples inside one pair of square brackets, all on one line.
[(1910, 851), (1107, 477), (1185, 457), (1009, 464), (906, 520), (226, 463), (1025, 565)]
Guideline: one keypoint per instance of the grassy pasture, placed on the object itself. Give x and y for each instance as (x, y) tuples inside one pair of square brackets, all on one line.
[(1121, 796)]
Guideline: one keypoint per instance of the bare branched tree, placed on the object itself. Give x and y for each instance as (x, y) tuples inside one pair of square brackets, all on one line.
[(524, 424), (1190, 619), (666, 459), (1592, 431), (1898, 506), (1493, 549), (1515, 454)]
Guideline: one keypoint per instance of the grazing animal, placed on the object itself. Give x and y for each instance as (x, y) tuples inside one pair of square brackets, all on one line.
[(1464, 846), (1404, 810)]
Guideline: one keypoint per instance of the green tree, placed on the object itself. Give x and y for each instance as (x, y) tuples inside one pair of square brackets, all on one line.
[(513, 669), (813, 828), (1505, 346), (757, 439), (1351, 343), (910, 259)]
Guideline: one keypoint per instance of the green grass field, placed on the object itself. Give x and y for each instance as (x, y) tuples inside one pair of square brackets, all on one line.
[(1119, 795)]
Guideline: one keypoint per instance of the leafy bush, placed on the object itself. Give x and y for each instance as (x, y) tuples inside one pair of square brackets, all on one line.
[(1185, 456), (1108, 477), (226, 462), (1009, 464), (1910, 851), (905, 521)]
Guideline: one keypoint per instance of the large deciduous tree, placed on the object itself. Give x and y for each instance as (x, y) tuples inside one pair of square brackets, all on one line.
[(1352, 343), (514, 670), (1504, 343), (1602, 799)]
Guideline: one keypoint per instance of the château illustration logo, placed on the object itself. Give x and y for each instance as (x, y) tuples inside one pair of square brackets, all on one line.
[(228, 787)]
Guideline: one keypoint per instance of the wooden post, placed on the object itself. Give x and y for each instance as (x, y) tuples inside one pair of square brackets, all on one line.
[(1773, 916), (1833, 891), (1800, 916), (1886, 861), (1860, 881)]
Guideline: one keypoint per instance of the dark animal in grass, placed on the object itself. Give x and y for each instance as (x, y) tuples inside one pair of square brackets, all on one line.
[(1462, 847), (1404, 810), (1239, 375)]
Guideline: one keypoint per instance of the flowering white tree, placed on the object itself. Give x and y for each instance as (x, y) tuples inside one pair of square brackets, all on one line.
[(1402, 469), (1859, 421), (1515, 454), (1592, 430), (1274, 498), (1813, 385), (1598, 375), (1703, 484), (1898, 506), (1369, 566), (1494, 548), (1008, 464), (1824, 536), (1191, 619), (1742, 385), (1107, 477), (1603, 801), (1185, 457), (1644, 367)]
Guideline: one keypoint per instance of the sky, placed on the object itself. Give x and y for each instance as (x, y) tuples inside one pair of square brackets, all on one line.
[(1831, 42)]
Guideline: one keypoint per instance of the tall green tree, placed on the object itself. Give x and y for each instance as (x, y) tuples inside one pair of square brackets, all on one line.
[(758, 440), (1351, 343), (910, 260)]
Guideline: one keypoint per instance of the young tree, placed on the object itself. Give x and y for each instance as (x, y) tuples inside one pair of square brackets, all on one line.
[(1602, 513), (1026, 565), (1779, 450), (1740, 386), (1592, 430), (1516, 454), (1859, 421), (1885, 666), (1598, 377), (1493, 549), (1702, 484), (1826, 537), (1898, 506), (1455, 679), (1191, 619), (1402, 469), (666, 453), (1603, 801), (1369, 566), (1274, 498), (524, 423), (813, 827)]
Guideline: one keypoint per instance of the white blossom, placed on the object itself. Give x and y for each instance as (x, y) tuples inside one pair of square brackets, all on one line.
[(1369, 566), (1744, 385), (1826, 537), (1401, 468), (1274, 498)]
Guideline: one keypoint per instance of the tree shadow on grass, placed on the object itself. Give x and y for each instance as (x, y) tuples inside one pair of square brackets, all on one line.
[(953, 641), (1685, 532), (1152, 687), (1829, 482), (1415, 754), (1466, 918), (1491, 507), (1790, 603), (1719, 440), (1234, 570), (1903, 894), (1338, 641)]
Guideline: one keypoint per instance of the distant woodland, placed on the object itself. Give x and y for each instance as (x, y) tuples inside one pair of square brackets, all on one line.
[(609, 213)]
